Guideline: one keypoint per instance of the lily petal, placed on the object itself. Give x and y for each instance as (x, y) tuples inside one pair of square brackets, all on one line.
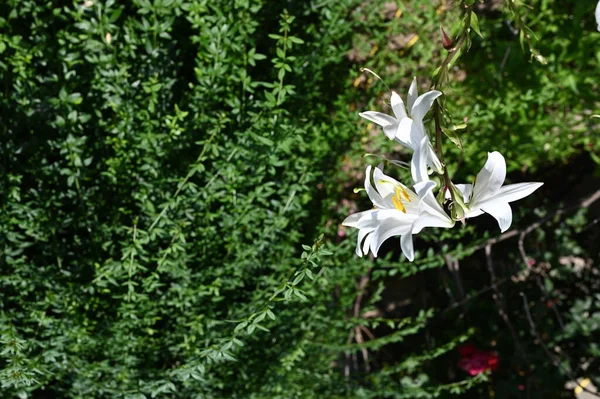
[(373, 219), (374, 196), (501, 211), (359, 241), (514, 192), (352, 220), (406, 244), (423, 188), (386, 185), (367, 243), (466, 190), (413, 93), (431, 220), (433, 161), (418, 163), (423, 104), (431, 213), (598, 15), (474, 213), (389, 228), (387, 122), (398, 106), (378, 117), (490, 178), (404, 133)]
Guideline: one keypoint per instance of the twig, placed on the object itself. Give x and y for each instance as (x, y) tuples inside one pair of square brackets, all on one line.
[(356, 333), (582, 203), (499, 302), (476, 295), (454, 268), (347, 355), (553, 359)]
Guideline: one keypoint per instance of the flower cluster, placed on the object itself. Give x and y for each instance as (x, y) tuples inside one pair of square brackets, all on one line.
[(401, 211), (475, 361)]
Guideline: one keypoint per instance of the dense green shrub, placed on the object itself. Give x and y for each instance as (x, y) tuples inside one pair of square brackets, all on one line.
[(163, 163)]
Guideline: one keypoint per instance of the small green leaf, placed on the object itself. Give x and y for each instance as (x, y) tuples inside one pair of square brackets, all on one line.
[(453, 137), (475, 24)]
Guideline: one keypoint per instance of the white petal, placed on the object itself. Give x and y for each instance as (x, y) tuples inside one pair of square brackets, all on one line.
[(501, 211), (352, 220), (379, 118), (433, 161), (398, 106), (386, 185), (466, 190), (418, 163), (359, 241), (388, 123), (424, 188), (490, 178), (598, 15), (423, 104), (428, 202), (474, 213), (367, 243), (406, 243), (374, 196), (373, 219), (413, 93), (431, 213), (403, 133), (417, 132), (387, 229), (514, 192), (410, 133), (431, 220)]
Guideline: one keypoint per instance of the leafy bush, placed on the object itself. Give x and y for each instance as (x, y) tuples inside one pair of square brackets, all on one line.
[(164, 162)]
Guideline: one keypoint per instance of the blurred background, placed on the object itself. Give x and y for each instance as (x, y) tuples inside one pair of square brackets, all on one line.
[(174, 175)]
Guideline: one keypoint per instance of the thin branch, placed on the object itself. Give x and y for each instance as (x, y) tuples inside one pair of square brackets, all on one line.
[(538, 280), (499, 303), (582, 203), (454, 267), (556, 362)]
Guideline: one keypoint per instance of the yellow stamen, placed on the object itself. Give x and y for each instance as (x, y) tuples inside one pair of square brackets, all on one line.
[(398, 204), (405, 194), (398, 192)]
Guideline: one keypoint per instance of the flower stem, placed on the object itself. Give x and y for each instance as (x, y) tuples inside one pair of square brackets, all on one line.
[(436, 84)]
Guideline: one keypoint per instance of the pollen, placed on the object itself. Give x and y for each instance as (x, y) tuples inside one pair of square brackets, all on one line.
[(405, 194), (397, 199), (398, 204)]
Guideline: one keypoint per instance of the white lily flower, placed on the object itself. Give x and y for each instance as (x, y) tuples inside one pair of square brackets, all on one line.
[(488, 195), (598, 15), (406, 126), (397, 210)]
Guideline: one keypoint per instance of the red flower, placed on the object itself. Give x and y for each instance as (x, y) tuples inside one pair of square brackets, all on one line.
[(475, 361)]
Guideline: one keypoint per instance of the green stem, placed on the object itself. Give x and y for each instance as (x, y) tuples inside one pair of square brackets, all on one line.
[(437, 83), (182, 184)]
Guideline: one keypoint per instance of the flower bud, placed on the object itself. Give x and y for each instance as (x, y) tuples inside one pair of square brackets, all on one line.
[(459, 209), (446, 41)]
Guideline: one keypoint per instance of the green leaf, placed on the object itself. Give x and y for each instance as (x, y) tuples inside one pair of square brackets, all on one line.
[(453, 137), (475, 24), (264, 140), (296, 40)]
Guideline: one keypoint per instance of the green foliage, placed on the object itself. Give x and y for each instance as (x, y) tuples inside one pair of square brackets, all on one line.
[(164, 161)]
